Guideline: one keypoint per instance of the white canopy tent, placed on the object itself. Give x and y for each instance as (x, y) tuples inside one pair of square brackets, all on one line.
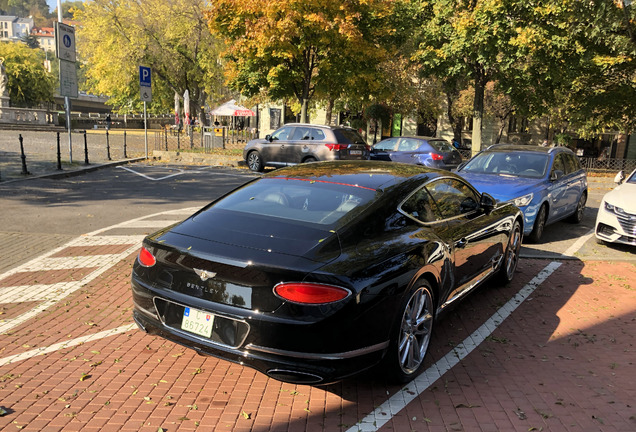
[(232, 109)]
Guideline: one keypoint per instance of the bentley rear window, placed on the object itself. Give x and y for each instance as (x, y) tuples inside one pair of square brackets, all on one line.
[(315, 202)]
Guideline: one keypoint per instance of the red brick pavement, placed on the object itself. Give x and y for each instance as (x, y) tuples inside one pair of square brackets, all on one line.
[(562, 361)]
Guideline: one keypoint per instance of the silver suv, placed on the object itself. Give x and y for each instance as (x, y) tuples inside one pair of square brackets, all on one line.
[(296, 143)]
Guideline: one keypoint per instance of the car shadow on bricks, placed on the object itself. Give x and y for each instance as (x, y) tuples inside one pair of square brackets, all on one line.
[(561, 360)]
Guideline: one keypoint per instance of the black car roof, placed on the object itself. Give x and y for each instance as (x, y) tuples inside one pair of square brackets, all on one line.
[(376, 175)]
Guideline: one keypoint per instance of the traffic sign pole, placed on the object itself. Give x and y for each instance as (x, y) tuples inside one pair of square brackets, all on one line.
[(145, 130)]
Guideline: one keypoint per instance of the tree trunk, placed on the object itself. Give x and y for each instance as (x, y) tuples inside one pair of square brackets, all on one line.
[(456, 123), (329, 111), (304, 115), (478, 111)]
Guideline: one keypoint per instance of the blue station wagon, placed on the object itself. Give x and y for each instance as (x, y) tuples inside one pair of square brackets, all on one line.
[(547, 184)]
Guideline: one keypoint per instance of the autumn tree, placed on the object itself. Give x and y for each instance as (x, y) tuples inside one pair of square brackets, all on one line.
[(295, 48), (171, 37), (29, 84)]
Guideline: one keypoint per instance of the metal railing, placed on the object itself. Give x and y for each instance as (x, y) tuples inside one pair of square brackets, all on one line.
[(205, 138)]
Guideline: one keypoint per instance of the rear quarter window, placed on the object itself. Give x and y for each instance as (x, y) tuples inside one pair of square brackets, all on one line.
[(348, 136), (442, 145), (317, 134)]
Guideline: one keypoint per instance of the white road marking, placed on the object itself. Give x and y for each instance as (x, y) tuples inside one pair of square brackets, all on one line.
[(50, 294), (396, 403), (181, 172), (66, 344), (64, 289), (578, 244)]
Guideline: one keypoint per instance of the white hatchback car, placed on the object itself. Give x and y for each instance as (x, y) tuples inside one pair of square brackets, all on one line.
[(616, 218)]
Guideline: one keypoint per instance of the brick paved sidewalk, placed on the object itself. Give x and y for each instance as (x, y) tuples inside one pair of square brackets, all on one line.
[(562, 361)]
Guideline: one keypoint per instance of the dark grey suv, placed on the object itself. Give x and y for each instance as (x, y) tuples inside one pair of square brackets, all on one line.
[(296, 143)]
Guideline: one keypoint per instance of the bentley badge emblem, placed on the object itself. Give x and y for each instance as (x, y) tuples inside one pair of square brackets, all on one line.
[(204, 274)]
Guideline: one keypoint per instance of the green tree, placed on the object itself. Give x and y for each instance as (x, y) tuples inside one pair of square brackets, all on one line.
[(23, 8), (296, 48), (171, 37), (31, 41), (29, 84)]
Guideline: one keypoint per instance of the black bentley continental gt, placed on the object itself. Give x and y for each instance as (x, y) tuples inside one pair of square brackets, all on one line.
[(313, 273)]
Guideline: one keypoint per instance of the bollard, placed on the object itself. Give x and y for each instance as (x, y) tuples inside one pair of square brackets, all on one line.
[(85, 150), (23, 156), (178, 140), (191, 137), (125, 156), (59, 154), (107, 146), (166, 135)]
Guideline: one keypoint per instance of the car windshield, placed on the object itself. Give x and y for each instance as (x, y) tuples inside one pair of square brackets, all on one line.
[(442, 146), (632, 178), (299, 200), (522, 164)]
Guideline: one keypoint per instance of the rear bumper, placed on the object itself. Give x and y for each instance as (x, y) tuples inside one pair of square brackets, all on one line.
[(287, 366), (260, 342)]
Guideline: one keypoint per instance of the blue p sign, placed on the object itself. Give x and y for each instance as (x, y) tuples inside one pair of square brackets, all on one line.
[(144, 76)]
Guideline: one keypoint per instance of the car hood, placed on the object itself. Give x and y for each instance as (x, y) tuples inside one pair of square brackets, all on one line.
[(623, 196), (502, 187)]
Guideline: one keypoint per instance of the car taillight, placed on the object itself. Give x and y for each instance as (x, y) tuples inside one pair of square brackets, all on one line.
[(146, 258), (436, 156), (337, 147), (310, 293)]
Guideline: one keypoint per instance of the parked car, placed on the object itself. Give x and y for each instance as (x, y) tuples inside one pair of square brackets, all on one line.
[(616, 218), (427, 151), (313, 273), (297, 143), (547, 184)]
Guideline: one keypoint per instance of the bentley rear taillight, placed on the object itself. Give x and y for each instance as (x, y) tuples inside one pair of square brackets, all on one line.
[(310, 293), (436, 156), (146, 258)]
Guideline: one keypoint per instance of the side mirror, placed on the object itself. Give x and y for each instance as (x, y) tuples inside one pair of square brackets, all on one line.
[(268, 138), (619, 177), (487, 202), (556, 174)]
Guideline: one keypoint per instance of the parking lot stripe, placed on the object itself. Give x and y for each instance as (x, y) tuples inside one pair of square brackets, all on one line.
[(396, 403), (66, 344), (578, 244), (64, 289)]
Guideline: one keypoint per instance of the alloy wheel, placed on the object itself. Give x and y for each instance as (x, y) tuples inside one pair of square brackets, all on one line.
[(415, 330)]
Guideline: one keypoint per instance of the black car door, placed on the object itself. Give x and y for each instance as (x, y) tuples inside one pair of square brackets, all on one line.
[(471, 233)]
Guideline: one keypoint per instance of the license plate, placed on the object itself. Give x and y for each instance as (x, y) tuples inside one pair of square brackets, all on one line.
[(197, 322), (355, 152)]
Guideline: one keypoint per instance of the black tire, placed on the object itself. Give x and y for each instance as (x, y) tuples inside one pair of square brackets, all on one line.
[(577, 216), (539, 225), (310, 159), (511, 255), (255, 161), (411, 334)]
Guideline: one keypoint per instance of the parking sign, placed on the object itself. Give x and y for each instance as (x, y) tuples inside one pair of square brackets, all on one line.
[(145, 84)]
